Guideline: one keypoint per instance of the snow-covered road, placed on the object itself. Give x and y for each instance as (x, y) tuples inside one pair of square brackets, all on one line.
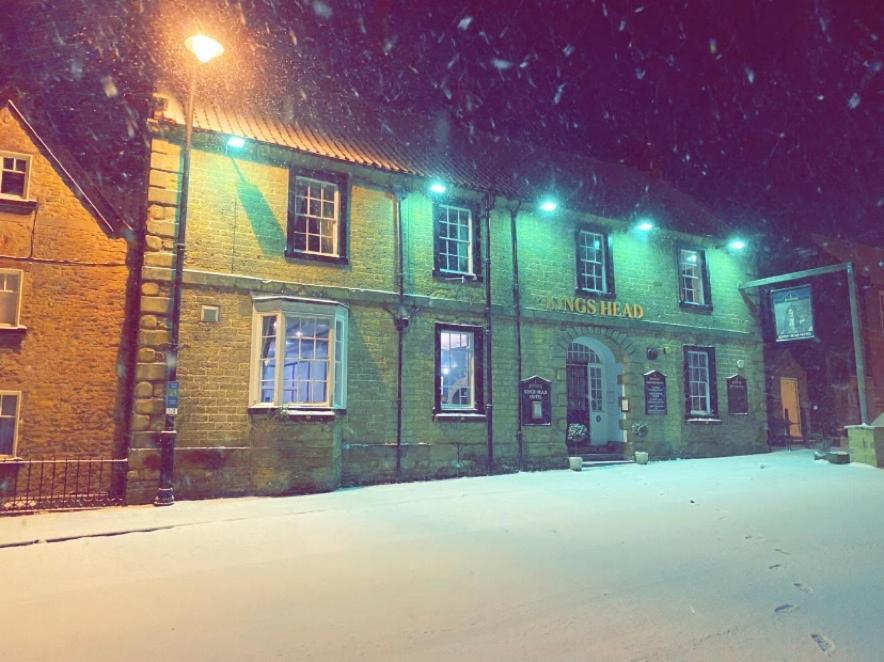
[(751, 558)]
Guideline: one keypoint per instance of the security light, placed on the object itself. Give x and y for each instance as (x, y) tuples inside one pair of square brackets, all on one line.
[(645, 225), (438, 187), (736, 244), (236, 142), (548, 205)]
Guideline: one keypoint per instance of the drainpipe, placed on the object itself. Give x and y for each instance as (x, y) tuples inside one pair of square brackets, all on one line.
[(489, 341), (401, 321), (517, 310)]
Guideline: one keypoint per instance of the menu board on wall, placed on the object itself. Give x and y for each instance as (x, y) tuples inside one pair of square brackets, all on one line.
[(655, 393), (536, 402), (737, 395)]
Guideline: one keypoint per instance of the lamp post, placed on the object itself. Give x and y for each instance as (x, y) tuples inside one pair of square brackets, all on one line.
[(204, 49)]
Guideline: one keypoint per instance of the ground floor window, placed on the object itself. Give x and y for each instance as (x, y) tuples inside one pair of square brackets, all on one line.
[(10, 296), (701, 398), (458, 368), (9, 406), (299, 354)]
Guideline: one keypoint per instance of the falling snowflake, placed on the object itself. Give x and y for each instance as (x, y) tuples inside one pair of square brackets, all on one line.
[(713, 45), (110, 88), (750, 75), (568, 50), (500, 64), (464, 23), (559, 90), (321, 9), (854, 100), (640, 73)]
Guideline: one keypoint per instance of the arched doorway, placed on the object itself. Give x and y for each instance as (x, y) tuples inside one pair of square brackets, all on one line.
[(593, 411)]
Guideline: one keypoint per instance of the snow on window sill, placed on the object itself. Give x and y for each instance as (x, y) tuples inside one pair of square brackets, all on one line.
[(702, 419), (16, 328), (462, 416), (294, 412)]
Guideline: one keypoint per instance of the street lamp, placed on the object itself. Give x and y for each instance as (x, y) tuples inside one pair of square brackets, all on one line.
[(204, 49)]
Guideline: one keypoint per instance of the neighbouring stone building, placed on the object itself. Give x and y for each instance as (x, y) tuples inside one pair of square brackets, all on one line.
[(813, 388), (339, 326), (67, 265)]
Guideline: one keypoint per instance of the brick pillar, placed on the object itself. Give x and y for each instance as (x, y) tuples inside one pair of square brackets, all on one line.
[(148, 416)]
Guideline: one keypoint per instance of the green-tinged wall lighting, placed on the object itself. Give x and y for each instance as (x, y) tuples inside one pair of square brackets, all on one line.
[(236, 142), (737, 244), (548, 205), (438, 187), (644, 225)]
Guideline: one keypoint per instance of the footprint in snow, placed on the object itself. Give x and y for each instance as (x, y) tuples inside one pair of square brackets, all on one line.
[(786, 609), (774, 566), (781, 551), (825, 644), (802, 587)]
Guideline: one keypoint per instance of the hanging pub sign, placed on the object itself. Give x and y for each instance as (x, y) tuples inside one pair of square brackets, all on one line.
[(535, 399), (655, 393), (737, 395), (793, 313)]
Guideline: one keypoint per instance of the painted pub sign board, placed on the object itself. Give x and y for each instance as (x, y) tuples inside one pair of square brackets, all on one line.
[(793, 313), (655, 393), (534, 394)]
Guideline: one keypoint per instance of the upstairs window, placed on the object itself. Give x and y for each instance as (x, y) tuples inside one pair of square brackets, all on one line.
[(693, 279), (10, 297), (299, 354), (14, 175), (317, 205), (456, 240), (701, 396), (9, 405), (458, 369), (595, 272)]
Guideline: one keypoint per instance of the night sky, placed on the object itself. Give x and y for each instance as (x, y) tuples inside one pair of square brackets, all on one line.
[(769, 113)]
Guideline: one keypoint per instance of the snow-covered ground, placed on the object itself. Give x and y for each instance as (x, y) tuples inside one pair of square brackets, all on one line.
[(752, 558)]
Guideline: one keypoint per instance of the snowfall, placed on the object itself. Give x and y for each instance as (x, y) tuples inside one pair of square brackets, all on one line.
[(763, 557)]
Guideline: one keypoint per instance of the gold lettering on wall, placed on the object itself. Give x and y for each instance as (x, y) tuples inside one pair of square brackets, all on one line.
[(600, 307)]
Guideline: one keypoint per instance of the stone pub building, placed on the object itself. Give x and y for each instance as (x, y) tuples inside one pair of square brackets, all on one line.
[(364, 295)]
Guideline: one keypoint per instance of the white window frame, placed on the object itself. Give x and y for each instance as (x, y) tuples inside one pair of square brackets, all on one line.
[(691, 271), (27, 187), (446, 209), (333, 313), (21, 282), (335, 219), (17, 419), (706, 384), (599, 265)]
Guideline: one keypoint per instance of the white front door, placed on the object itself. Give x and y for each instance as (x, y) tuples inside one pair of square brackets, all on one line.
[(598, 409)]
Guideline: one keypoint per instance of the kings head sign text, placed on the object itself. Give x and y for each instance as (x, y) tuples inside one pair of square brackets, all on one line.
[(599, 307)]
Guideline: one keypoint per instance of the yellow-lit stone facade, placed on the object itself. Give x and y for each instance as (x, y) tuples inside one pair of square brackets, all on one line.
[(239, 229), (66, 357)]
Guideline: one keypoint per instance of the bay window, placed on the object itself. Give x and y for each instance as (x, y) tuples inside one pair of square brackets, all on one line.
[(299, 354)]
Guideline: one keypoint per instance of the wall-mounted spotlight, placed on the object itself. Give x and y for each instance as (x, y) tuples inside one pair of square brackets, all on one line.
[(548, 205), (644, 225), (438, 187), (236, 142), (737, 244)]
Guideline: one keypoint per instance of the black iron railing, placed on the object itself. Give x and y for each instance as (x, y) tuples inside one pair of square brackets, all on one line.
[(28, 485)]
